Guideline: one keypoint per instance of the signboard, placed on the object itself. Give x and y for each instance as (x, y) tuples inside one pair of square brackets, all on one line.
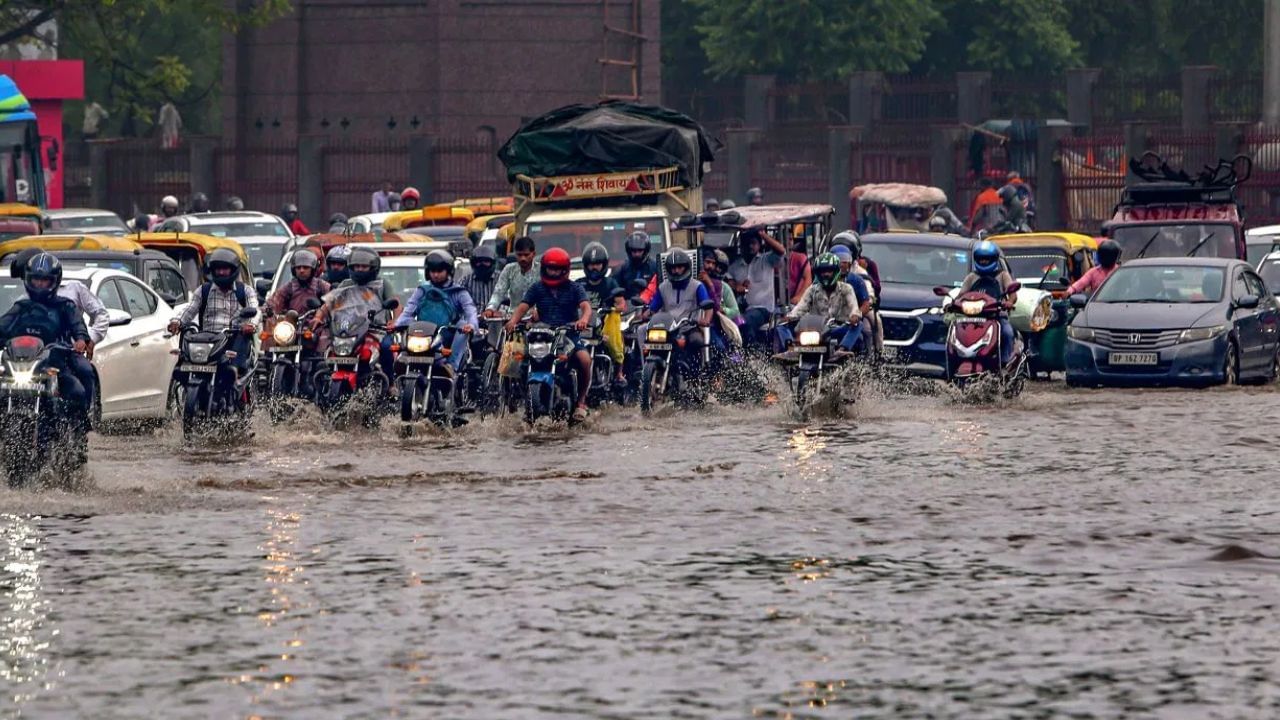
[(581, 186), (1178, 213)]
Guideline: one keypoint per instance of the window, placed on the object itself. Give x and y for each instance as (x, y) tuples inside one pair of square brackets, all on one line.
[(138, 302), (166, 282), (1256, 286), (1238, 287), (110, 296)]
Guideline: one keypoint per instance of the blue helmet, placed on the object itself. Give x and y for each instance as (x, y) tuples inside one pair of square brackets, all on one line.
[(842, 252), (986, 258)]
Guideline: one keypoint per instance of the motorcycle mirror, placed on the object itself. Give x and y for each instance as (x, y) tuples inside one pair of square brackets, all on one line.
[(1064, 281), (1013, 287), (1078, 300), (941, 291), (313, 303), (248, 313), (292, 315), (390, 304)]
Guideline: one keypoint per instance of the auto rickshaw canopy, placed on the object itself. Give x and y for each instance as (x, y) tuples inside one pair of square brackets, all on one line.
[(430, 215)]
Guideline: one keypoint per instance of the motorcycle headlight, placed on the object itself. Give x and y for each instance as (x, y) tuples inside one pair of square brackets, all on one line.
[(810, 338), (1197, 334), (539, 350), (344, 346), (656, 335), (284, 333), (972, 307), (418, 344), (22, 372), (1084, 334), (200, 352)]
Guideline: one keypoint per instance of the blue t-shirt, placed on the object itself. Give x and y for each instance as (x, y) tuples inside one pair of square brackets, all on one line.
[(859, 287), (556, 306)]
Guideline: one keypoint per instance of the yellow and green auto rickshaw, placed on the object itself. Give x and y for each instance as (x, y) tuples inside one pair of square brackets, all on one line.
[(189, 249)]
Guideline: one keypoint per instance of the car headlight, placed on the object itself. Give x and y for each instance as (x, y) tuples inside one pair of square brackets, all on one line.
[(418, 344), (1084, 334), (1197, 334), (284, 333), (656, 335), (972, 307), (539, 350), (810, 338)]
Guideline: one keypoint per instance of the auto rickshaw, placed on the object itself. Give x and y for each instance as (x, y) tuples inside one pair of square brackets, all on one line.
[(68, 242), (189, 249), (1048, 261), (16, 227), (487, 225), (430, 215), (886, 207), (20, 210)]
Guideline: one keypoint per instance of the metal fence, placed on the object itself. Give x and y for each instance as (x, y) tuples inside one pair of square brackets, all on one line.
[(264, 176), (355, 169), (139, 173), (1093, 171), (913, 99), (466, 167), (1260, 194), (790, 170)]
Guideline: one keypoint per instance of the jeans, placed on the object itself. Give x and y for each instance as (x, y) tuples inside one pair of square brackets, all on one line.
[(1006, 341), (752, 322), (244, 353), (79, 366)]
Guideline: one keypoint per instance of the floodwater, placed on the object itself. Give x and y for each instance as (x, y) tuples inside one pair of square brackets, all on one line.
[(1087, 554)]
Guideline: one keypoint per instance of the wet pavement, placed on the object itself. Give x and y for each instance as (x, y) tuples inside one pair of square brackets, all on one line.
[(1070, 554)]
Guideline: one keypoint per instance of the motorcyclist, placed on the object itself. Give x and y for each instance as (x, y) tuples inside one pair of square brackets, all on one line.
[(168, 207), (199, 203), (1015, 214), (305, 285), (441, 301), (481, 279), (680, 295), (1108, 261), (560, 302), (364, 268), (217, 305), (516, 278), (634, 275), (290, 214), (985, 212), (335, 264), (604, 293), (711, 205), (833, 299), (54, 319), (755, 196), (752, 277), (235, 204), (871, 271), (988, 277), (410, 199), (337, 223)]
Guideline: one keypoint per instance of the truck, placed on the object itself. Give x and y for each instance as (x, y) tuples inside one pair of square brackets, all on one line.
[(1170, 213), (22, 181), (598, 173)]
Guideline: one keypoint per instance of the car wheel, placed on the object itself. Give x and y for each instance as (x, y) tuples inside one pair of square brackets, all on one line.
[(1231, 365)]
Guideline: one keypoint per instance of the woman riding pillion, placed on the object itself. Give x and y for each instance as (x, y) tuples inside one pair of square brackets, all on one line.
[(833, 299), (441, 301)]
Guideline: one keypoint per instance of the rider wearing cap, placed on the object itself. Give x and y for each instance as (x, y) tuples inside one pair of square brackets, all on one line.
[(560, 302), (988, 277)]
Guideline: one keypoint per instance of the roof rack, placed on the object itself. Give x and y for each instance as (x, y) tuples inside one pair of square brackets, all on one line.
[(1162, 184)]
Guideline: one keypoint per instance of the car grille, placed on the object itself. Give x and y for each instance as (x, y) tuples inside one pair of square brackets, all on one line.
[(1136, 339), (900, 329)]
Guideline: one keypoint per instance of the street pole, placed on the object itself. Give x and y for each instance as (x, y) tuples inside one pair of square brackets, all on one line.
[(1271, 64)]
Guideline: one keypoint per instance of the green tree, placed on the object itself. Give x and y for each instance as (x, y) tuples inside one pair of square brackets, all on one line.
[(811, 40)]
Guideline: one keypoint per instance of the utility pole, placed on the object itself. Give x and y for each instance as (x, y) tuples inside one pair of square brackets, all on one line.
[(1271, 64)]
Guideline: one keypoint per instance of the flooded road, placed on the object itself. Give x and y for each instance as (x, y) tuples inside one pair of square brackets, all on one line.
[(1083, 554)]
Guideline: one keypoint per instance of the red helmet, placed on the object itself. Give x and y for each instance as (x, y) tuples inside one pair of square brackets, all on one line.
[(410, 193), (555, 261)]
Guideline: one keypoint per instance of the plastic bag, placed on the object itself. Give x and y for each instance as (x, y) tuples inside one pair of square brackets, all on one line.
[(611, 333), (509, 361)]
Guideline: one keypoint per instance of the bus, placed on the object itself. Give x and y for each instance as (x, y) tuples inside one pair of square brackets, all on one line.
[(21, 172)]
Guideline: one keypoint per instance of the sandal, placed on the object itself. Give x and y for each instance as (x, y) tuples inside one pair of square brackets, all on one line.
[(580, 413)]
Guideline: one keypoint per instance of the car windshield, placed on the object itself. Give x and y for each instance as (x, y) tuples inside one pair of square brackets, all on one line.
[(1270, 272), (919, 263), (402, 280), (1028, 267), (573, 236), (263, 257), (82, 263), (11, 291), (1212, 240), (1163, 284), (262, 228), (86, 222)]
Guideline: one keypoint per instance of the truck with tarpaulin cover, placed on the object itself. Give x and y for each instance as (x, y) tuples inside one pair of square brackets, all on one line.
[(21, 172), (598, 173), (1169, 213)]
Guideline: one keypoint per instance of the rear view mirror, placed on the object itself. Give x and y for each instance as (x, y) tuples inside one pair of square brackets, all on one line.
[(313, 303), (248, 313), (263, 286), (1013, 287), (1248, 302), (1078, 300), (391, 304), (116, 318)]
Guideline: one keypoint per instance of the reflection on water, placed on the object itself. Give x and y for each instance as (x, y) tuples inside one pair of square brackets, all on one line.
[(1097, 554)]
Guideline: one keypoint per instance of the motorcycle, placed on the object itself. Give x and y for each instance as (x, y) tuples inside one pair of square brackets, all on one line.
[(973, 345), (551, 382), (36, 420), (427, 389), (818, 353), (290, 360), (603, 368), (676, 356), (351, 367), (206, 379)]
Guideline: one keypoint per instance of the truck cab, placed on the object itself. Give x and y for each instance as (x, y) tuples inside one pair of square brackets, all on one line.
[(574, 229)]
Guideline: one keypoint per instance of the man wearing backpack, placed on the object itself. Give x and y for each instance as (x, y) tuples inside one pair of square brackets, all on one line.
[(218, 304)]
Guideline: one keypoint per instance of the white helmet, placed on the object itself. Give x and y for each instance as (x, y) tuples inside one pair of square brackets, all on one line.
[(169, 201)]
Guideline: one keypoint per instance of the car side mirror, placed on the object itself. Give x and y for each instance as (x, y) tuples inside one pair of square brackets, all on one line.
[(1078, 300), (116, 318), (313, 303), (1248, 302), (248, 313)]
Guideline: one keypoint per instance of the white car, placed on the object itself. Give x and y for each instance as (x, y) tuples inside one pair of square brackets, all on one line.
[(133, 361), (367, 222), (83, 221), (1260, 241), (402, 265), (262, 235)]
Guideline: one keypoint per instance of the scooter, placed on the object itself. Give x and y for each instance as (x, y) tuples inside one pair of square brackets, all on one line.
[(973, 345)]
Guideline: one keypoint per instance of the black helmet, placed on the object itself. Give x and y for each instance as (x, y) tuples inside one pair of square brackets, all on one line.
[(337, 219), (43, 266), (438, 260), (19, 266), (200, 202), (637, 241), (304, 258), (288, 209), (827, 269), (338, 254), (1008, 193), (1108, 253), (361, 256), (755, 194), (235, 203), (222, 258), (483, 262), (595, 254), (679, 267)]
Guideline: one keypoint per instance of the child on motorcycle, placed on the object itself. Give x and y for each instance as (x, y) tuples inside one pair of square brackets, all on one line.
[(604, 292)]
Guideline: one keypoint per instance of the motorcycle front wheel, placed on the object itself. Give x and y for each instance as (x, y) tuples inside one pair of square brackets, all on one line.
[(651, 390), (192, 409), (18, 450)]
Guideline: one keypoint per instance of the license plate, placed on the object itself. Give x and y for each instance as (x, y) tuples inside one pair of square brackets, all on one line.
[(188, 367), (285, 349), (343, 361), (1133, 358), (657, 346), (417, 359)]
